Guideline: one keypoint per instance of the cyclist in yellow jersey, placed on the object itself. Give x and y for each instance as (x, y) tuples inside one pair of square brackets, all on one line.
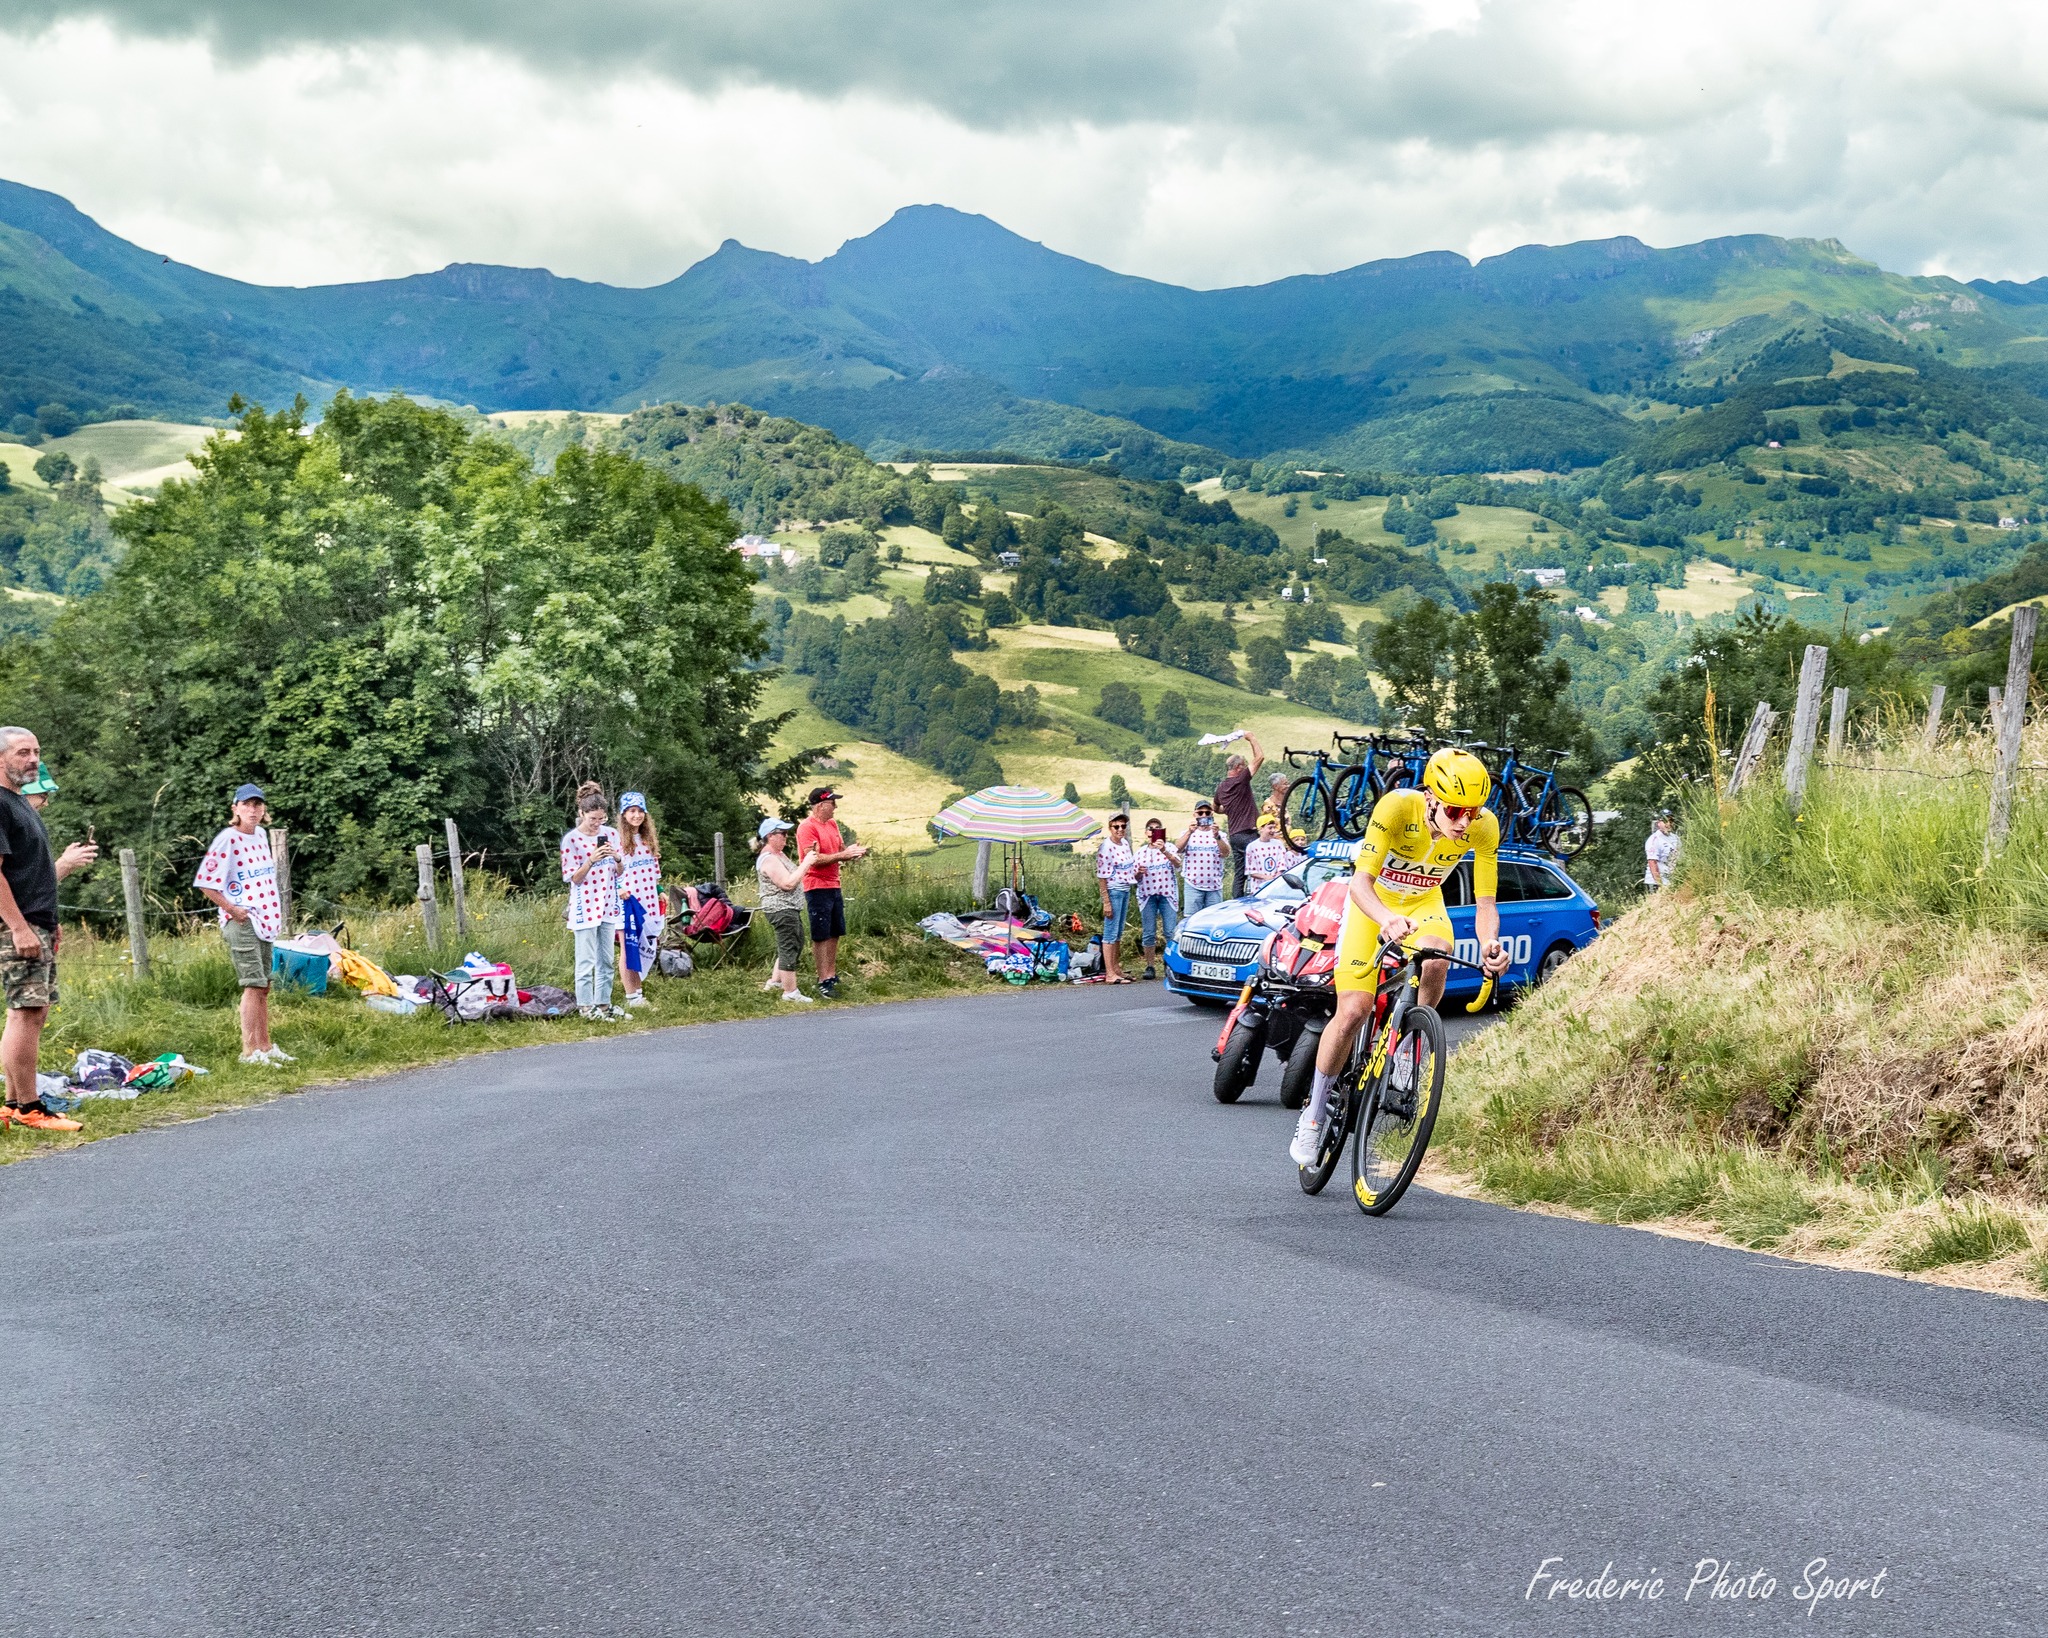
[(1414, 839)]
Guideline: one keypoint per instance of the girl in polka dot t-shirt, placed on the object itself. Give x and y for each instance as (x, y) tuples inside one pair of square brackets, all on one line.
[(590, 865)]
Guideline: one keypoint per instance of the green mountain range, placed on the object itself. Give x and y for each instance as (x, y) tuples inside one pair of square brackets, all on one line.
[(942, 330)]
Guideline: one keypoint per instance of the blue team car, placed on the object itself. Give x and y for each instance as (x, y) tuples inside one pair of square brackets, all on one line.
[(1544, 916)]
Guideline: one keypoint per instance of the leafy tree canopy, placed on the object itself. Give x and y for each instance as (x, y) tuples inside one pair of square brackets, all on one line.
[(390, 621)]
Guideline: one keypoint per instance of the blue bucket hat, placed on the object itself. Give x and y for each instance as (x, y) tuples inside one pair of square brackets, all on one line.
[(633, 799)]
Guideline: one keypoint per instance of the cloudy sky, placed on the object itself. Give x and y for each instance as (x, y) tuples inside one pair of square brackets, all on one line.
[(1207, 142)]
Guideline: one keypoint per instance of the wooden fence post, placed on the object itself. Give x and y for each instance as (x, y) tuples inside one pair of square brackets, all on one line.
[(2005, 771), (1933, 730), (1838, 723), (718, 857), (1995, 705), (455, 883), (980, 887), (1752, 747), (430, 913), (281, 858), (131, 894), (1805, 722)]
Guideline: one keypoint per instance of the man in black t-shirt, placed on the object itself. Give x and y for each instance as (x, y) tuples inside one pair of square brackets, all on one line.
[(28, 950)]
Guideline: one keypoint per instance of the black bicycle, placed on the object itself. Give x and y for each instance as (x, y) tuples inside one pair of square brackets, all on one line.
[(1385, 1103)]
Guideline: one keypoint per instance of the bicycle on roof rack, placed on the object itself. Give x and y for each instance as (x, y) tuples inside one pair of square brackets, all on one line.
[(1397, 761), (1533, 807), (1331, 796)]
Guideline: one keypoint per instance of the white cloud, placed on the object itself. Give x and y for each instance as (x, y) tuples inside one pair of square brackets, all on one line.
[(1207, 144)]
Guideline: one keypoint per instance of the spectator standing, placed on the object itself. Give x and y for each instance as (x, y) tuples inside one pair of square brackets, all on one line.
[(640, 916), (1660, 851), (782, 902), (1158, 868), (590, 865), (28, 905), (240, 876), (1238, 807), (1203, 850), (824, 903), (1269, 857), (1116, 873), (39, 790)]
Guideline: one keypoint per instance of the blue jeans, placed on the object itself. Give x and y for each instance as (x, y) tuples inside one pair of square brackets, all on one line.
[(1155, 915), (1119, 914), (594, 964), (1199, 898)]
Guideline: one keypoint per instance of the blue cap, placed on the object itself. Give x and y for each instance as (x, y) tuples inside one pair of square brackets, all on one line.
[(770, 826), (633, 799), (249, 793)]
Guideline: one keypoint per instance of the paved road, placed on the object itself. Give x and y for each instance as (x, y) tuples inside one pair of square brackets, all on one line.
[(971, 1317)]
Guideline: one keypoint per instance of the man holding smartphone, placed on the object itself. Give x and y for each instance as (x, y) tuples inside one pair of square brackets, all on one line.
[(1203, 850)]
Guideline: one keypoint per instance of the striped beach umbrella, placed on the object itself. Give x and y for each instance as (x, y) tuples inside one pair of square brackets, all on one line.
[(1016, 813)]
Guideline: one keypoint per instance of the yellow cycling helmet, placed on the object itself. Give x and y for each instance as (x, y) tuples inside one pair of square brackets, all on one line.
[(1457, 777)]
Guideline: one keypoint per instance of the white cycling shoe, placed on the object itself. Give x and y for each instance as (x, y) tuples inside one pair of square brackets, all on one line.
[(1308, 1141)]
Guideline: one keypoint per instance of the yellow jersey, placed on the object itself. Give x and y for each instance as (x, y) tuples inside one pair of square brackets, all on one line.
[(1407, 864)]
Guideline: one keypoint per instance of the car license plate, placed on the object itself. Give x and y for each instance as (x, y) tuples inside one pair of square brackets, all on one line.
[(1212, 969)]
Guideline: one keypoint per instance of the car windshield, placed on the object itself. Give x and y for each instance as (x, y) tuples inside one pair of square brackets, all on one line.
[(1314, 873)]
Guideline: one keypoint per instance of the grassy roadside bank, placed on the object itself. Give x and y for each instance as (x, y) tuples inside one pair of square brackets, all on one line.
[(1823, 1083), (187, 1004)]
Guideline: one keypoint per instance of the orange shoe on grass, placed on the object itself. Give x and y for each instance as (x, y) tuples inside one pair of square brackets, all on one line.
[(38, 1119)]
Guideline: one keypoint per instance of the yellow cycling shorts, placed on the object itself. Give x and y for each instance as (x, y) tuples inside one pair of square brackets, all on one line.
[(1360, 940)]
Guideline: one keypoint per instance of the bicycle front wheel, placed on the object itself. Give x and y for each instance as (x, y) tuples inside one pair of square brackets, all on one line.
[(1399, 1114), (1567, 822), (1306, 808)]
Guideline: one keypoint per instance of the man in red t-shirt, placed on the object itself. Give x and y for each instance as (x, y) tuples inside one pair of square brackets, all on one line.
[(823, 902)]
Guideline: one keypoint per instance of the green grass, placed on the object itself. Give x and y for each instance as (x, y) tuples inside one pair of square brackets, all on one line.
[(188, 1002), (1973, 1233), (1817, 1080), (1897, 832)]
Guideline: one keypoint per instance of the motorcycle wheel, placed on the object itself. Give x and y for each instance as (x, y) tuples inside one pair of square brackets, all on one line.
[(1298, 1078), (1239, 1065)]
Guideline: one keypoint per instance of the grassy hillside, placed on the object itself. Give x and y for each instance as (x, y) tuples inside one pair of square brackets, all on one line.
[(1829, 1040)]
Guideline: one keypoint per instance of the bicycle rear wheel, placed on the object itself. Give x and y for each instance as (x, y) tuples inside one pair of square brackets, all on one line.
[(1567, 822), (1399, 1114), (1336, 1128), (1351, 800), (1306, 807)]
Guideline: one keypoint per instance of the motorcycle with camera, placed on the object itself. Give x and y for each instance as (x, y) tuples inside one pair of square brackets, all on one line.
[(1289, 998)]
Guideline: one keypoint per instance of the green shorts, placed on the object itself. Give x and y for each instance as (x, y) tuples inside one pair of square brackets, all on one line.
[(250, 952), (30, 981)]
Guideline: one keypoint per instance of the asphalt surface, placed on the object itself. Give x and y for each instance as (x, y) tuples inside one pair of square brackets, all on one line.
[(966, 1317)]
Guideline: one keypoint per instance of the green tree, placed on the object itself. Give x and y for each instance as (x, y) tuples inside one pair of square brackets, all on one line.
[(1119, 792), (1505, 689), (1170, 716), (1070, 794), (1122, 705), (388, 621), (1414, 651), (1266, 665)]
